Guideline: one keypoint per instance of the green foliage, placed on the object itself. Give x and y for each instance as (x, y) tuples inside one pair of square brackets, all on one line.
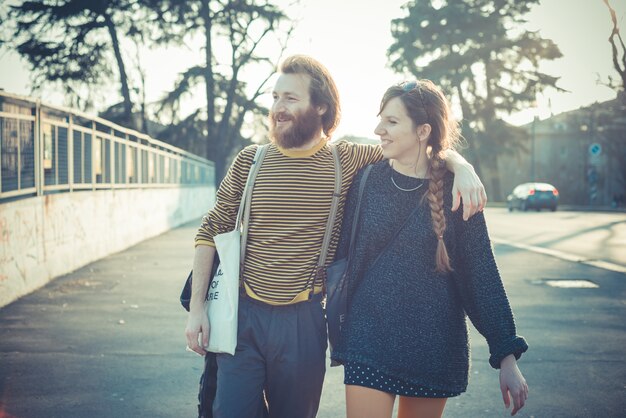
[(72, 41), (237, 29), (75, 42), (61, 40), (478, 52)]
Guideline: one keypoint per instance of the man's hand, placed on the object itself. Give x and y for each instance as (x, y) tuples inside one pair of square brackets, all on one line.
[(468, 187), (197, 321), (512, 384), (197, 326)]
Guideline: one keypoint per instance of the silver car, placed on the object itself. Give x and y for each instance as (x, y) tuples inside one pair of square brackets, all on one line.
[(533, 196)]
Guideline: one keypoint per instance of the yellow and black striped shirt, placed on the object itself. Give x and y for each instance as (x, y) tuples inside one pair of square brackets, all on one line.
[(290, 206)]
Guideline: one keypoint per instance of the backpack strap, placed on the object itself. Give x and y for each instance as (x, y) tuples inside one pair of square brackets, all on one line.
[(320, 270)]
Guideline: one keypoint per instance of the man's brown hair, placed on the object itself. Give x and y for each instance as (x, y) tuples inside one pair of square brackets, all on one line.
[(322, 88)]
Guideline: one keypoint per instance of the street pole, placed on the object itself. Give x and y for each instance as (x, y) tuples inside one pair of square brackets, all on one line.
[(592, 173), (533, 135), (532, 149)]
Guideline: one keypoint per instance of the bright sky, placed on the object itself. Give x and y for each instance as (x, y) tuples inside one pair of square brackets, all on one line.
[(351, 38)]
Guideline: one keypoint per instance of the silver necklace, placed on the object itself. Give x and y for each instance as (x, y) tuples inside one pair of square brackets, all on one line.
[(402, 188)]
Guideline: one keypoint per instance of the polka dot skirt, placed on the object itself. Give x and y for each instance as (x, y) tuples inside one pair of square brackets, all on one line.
[(359, 375)]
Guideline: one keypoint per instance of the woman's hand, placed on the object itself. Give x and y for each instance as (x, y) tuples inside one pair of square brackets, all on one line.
[(512, 384)]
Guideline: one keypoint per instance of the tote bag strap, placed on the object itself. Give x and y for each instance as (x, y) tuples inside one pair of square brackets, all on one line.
[(246, 197)]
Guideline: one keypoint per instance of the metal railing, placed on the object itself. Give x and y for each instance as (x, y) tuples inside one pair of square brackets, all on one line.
[(46, 149)]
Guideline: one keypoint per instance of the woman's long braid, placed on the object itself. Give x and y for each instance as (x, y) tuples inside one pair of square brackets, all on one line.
[(444, 132), (435, 201)]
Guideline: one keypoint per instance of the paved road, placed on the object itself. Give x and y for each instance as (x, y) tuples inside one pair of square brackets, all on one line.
[(107, 341), (588, 235)]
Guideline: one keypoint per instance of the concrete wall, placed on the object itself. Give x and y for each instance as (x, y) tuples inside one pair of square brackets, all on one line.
[(45, 237)]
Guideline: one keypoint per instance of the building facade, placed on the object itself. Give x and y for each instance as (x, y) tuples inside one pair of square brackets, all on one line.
[(581, 152)]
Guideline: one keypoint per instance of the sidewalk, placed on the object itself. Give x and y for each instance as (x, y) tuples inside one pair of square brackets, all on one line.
[(104, 341)]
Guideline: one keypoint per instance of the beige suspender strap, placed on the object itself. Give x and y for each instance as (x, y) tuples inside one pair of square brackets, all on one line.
[(321, 270), (246, 199)]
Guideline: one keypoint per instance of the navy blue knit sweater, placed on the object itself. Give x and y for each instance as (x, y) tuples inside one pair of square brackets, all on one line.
[(405, 319)]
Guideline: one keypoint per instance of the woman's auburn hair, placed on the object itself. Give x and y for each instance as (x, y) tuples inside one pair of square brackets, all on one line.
[(426, 103)]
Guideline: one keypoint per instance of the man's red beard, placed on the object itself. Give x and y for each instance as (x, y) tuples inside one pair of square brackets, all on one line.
[(304, 126)]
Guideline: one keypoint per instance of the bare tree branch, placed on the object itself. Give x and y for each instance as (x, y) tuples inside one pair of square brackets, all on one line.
[(615, 33)]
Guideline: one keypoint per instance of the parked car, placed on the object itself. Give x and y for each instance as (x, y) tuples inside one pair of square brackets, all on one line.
[(533, 196)]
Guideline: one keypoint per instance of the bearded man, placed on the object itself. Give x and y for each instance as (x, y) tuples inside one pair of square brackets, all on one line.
[(282, 340)]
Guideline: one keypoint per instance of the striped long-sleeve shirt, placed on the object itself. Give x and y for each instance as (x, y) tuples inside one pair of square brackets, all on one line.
[(290, 206)]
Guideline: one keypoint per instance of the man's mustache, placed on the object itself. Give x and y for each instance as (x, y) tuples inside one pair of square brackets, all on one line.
[(285, 116)]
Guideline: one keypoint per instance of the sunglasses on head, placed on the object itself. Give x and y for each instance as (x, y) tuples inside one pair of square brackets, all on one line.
[(408, 86)]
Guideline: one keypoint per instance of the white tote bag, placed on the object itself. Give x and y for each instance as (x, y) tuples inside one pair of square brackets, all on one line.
[(223, 298)]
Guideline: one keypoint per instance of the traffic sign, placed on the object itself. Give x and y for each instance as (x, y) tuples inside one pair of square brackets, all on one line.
[(595, 149)]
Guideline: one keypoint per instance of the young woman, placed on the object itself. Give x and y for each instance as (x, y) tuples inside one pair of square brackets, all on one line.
[(416, 271)]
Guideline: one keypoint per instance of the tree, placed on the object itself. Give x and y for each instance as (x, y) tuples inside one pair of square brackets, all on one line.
[(478, 52), (233, 33), (71, 41), (612, 120), (617, 48)]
